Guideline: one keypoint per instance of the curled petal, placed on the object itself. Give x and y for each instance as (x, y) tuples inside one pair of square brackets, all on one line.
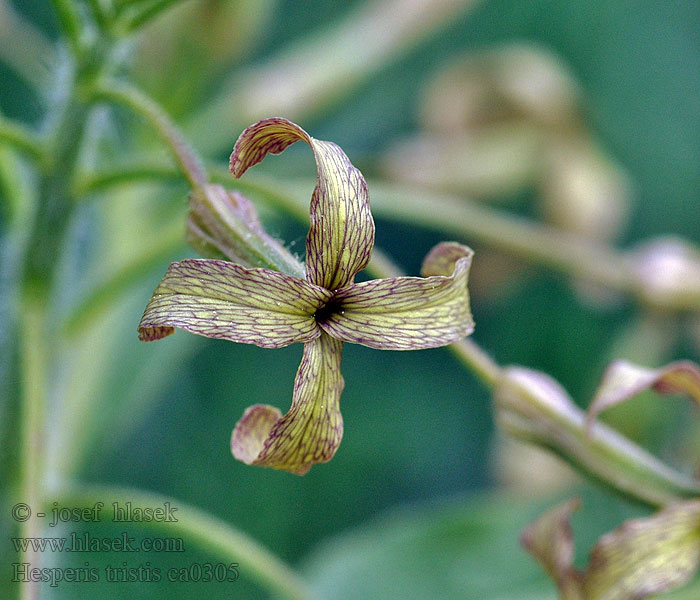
[(640, 558), (404, 313), (441, 260), (219, 299), (623, 380), (312, 429), (550, 540), (341, 233)]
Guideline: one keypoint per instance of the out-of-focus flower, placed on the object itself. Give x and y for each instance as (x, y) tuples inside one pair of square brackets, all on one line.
[(325, 308), (622, 380), (668, 270), (640, 558), (509, 119)]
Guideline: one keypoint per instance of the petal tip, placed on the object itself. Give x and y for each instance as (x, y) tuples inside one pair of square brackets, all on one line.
[(251, 431), (269, 136), (444, 258), (151, 334)]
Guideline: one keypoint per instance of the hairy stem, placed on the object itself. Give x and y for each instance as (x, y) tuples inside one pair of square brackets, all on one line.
[(136, 101), (555, 423)]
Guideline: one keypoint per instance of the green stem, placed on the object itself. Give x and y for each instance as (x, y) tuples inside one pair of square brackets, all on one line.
[(34, 362), (148, 13), (553, 422), (104, 180), (100, 14), (70, 22), (210, 533), (21, 138), (55, 204), (139, 103)]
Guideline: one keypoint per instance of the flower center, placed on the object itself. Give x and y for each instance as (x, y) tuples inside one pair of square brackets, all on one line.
[(327, 311)]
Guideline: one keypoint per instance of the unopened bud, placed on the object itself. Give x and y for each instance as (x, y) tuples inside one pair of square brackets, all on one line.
[(225, 224)]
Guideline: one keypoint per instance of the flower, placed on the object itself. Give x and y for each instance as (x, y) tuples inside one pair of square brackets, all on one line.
[(640, 558), (325, 308)]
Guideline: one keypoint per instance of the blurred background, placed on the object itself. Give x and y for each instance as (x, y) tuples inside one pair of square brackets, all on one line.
[(584, 116)]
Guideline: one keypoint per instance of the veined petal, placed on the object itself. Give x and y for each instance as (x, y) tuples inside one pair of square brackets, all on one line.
[(341, 233), (622, 380), (404, 313), (640, 558), (312, 429), (219, 299), (550, 540)]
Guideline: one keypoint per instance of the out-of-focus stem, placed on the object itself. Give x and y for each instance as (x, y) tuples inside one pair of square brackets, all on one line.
[(15, 135), (34, 362), (148, 13), (210, 533), (139, 103), (531, 409), (71, 24)]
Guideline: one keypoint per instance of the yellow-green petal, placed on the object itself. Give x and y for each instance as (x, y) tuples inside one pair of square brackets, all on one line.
[(404, 313), (550, 540), (341, 233), (646, 556), (219, 299), (311, 431), (640, 558)]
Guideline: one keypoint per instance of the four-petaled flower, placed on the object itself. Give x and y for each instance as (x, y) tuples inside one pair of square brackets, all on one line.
[(221, 299)]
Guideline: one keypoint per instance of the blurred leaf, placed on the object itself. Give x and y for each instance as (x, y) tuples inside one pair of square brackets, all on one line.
[(462, 550)]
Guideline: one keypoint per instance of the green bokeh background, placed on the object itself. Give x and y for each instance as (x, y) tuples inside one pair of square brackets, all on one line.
[(408, 507)]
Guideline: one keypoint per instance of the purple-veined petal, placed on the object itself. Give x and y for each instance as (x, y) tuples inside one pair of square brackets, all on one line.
[(403, 313), (646, 556), (640, 558), (622, 380), (341, 233), (219, 299), (550, 540), (312, 429)]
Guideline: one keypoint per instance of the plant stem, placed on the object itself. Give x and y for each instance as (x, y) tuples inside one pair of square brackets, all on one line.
[(136, 101), (70, 22), (54, 207), (21, 138), (553, 422), (210, 533), (148, 13), (34, 363)]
